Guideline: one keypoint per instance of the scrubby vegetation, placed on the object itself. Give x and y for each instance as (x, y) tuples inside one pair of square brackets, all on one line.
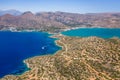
[(89, 58)]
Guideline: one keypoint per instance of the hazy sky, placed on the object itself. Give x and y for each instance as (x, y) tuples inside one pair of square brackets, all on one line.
[(75, 6)]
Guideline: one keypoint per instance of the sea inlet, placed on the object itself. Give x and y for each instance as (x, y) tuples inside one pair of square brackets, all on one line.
[(98, 32), (15, 47)]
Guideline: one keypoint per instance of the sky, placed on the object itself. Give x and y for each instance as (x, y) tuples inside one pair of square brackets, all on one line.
[(73, 6)]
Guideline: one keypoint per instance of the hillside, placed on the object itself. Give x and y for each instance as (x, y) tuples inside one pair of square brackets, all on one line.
[(89, 58), (57, 21)]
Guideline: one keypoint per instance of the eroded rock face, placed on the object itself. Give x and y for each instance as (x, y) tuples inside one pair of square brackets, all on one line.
[(89, 58)]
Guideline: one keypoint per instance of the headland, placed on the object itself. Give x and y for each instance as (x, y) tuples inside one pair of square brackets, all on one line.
[(90, 58)]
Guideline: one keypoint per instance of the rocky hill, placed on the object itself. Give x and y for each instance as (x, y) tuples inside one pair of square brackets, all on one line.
[(56, 21)]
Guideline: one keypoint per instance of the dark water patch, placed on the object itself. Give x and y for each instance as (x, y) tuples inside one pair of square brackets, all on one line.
[(17, 46)]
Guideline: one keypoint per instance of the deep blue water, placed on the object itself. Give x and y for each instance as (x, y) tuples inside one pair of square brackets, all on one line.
[(99, 32), (17, 46)]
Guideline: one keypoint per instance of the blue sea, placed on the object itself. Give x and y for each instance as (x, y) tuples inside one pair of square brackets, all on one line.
[(98, 32), (18, 46)]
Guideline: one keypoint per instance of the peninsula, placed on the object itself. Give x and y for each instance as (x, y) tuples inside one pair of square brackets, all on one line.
[(90, 58)]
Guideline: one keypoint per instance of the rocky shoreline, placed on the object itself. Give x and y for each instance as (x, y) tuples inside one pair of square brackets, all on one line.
[(91, 58)]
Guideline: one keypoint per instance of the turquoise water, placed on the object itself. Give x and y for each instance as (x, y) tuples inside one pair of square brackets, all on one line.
[(17, 46), (99, 32)]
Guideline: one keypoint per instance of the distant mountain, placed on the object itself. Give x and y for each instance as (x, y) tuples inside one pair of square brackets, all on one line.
[(12, 12), (55, 21)]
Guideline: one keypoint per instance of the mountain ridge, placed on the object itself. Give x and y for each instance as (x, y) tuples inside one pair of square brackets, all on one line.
[(56, 21), (11, 11)]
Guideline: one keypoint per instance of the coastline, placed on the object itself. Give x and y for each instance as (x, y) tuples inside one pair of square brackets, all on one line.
[(12, 29), (67, 59), (56, 37), (24, 61), (56, 42)]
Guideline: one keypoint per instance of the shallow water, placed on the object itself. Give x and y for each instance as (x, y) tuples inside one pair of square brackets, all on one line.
[(98, 32)]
